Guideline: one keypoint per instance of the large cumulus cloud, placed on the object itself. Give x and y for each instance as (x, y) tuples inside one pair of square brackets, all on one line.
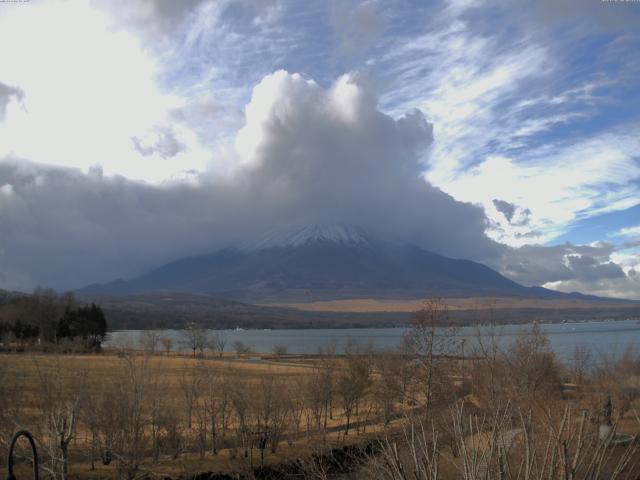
[(306, 154), (627, 286), (601, 268), (329, 155), (537, 264)]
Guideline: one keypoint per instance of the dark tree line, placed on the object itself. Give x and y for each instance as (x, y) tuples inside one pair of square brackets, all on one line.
[(48, 318), (88, 323)]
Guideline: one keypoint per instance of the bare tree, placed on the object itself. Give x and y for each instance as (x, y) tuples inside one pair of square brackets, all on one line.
[(217, 343), (531, 366), (353, 383), (194, 338), (314, 389), (60, 408), (280, 350), (149, 341), (157, 405), (102, 419), (581, 362), (90, 416), (10, 410), (212, 403), (241, 348), (389, 388), (505, 444), (271, 408), (171, 435), (488, 365), (616, 377), (223, 386), (128, 414), (167, 344), (430, 339), (297, 401), (191, 384), (202, 424), (241, 402), (327, 381)]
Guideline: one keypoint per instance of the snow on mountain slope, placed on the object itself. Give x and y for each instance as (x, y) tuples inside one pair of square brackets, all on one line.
[(322, 262), (296, 236)]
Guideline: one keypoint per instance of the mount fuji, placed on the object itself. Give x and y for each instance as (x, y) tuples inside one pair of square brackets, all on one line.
[(322, 262)]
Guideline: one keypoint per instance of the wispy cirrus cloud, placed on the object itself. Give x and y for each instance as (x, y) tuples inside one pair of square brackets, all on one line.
[(632, 232), (517, 119)]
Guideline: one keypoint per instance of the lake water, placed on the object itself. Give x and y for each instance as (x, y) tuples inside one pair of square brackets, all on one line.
[(609, 338)]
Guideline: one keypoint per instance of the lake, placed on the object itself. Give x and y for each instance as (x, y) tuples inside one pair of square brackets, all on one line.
[(609, 338)]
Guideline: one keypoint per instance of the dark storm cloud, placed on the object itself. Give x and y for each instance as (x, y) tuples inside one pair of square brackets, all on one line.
[(514, 214), (307, 155), (506, 208), (536, 264)]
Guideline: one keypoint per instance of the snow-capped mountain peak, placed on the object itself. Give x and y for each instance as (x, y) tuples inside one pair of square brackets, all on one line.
[(316, 262), (297, 236)]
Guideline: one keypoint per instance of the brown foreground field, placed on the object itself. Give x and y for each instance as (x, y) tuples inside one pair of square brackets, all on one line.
[(171, 415), (509, 412)]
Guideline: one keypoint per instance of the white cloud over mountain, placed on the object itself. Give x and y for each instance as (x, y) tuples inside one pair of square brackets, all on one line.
[(305, 155), (193, 133)]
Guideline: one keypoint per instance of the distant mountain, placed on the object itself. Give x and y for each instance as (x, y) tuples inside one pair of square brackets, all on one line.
[(7, 295), (321, 262), (177, 310)]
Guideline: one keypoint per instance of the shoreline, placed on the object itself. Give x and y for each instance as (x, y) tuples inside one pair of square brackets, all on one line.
[(373, 326)]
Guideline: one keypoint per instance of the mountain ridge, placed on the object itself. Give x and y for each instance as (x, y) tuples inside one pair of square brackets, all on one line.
[(321, 262)]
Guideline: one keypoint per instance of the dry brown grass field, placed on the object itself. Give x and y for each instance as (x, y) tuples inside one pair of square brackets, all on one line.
[(371, 305), (131, 414), (179, 380)]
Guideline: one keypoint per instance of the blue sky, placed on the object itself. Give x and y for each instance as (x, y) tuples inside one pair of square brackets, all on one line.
[(534, 108)]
